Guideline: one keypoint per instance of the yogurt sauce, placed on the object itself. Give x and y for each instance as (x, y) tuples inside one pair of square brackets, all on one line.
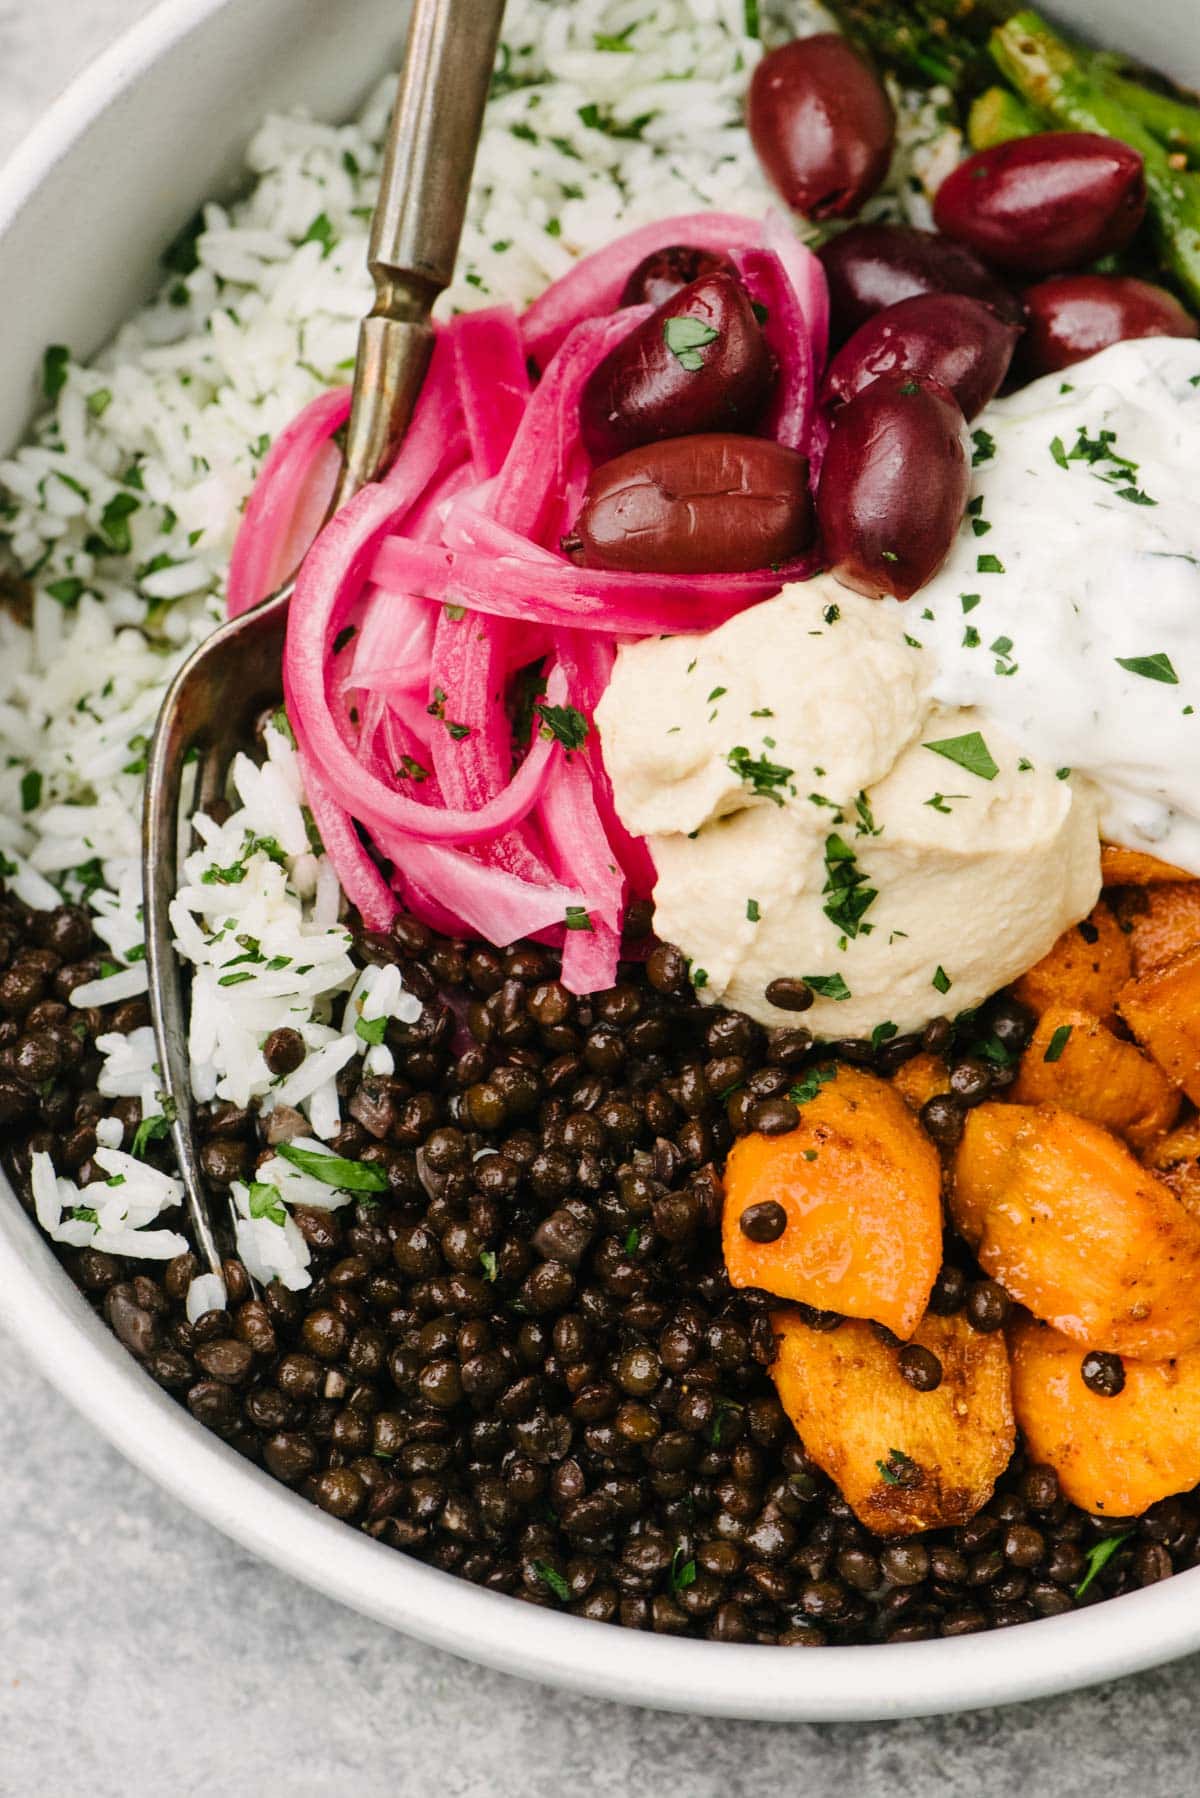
[(1068, 610)]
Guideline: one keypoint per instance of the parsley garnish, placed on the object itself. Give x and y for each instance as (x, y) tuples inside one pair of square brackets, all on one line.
[(564, 723), (827, 986), (321, 231), (752, 911), (334, 1170), (898, 1469), (970, 601), (810, 1086), (969, 752), (151, 1129), (31, 790), (577, 918), (845, 880), (989, 565), (985, 447), (941, 980), (685, 337), (54, 369), (761, 775), (266, 1201), (554, 1580), (487, 1261), (1156, 667), (1098, 1556), (683, 1573), (371, 1030), (883, 1033), (1058, 1042)]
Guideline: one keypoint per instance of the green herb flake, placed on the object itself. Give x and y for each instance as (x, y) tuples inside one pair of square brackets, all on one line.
[(487, 1261), (850, 896), (99, 401), (31, 790), (55, 360), (334, 1170), (883, 1033), (266, 1201), (1156, 667), (563, 723), (827, 986), (984, 447), (1058, 1042), (969, 601), (971, 638), (685, 338), (683, 1573), (411, 769), (969, 752), (753, 913), (321, 231), (941, 980), (811, 1084), (632, 1238), (553, 1580), (1058, 451), (151, 1129), (989, 565), (764, 777), (371, 1030), (577, 918), (1098, 1557)]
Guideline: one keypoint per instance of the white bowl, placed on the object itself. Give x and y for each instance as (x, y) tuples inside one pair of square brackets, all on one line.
[(85, 207)]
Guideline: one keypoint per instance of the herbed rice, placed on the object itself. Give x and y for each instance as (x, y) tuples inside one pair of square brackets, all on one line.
[(120, 512)]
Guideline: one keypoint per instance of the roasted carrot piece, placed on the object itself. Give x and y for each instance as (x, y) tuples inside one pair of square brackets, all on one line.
[(1075, 1061), (1161, 922), (1087, 967), (1114, 1456), (1162, 1008), (859, 1184), (903, 1460), (1132, 868), (921, 1079), (1061, 1214), (1176, 1161)]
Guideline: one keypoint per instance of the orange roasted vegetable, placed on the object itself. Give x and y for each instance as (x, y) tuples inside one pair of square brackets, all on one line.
[(1161, 922), (859, 1185), (1087, 967), (1176, 1161), (903, 1460), (920, 1079), (1114, 1456), (1060, 1213), (1162, 1008), (1132, 868), (1096, 1075)]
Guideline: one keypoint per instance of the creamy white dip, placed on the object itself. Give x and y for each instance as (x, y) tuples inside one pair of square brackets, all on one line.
[(1068, 611)]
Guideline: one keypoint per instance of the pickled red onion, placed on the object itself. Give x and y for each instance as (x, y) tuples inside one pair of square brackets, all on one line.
[(288, 504)]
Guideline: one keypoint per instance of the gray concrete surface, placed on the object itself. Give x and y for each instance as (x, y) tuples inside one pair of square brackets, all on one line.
[(142, 1653)]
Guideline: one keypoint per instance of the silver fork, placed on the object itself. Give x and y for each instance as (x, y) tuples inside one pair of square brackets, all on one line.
[(213, 701)]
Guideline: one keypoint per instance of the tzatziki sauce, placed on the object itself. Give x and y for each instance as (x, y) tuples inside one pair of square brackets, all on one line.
[(1068, 610)]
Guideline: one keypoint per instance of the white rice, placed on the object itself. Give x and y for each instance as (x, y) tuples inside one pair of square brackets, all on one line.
[(121, 512)]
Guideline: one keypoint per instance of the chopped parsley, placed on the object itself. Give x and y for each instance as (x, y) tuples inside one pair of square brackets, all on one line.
[(1058, 451), (763, 777), (151, 1129), (266, 1201), (31, 790), (321, 231), (553, 1580), (827, 986), (562, 722), (85, 1214), (971, 638), (984, 447), (1098, 1556), (941, 980), (685, 338), (411, 769), (334, 1170), (969, 752), (683, 1573), (850, 896), (899, 1469), (969, 601), (577, 918), (487, 1261), (115, 536), (55, 361), (1156, 667), (810, 1086), (1058, 1042), (371, 1030), (941, 801), (752, 911), (989, 565), (883, 1033)]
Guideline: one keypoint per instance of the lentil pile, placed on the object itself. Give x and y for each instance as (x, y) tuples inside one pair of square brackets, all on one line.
[(523, 1363)]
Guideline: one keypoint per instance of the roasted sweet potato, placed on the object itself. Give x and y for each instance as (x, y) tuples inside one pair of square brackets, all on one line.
[(903, 1460), (1161, 921), (1060, 1213), (1176, 1161), (1114, 1456), (921, 1079), (1162, 1008), (1096, 1075), (859, 1186), (1131, 868), (1087, 967)]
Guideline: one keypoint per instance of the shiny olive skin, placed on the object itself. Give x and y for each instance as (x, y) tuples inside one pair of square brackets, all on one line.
[(1074, 316), (712, 504), (663, 273), (869, 267), (822, 125), (946, 337), (1039, 205), (644, 390), (894, 485)]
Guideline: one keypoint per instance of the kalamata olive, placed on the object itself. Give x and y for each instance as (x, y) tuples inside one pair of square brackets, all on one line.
[(1036, 205), (714, 503), (948, 337), (869, 267), (822, 124), (700, 363), (1073, 316), (894, 485), (660, 275)]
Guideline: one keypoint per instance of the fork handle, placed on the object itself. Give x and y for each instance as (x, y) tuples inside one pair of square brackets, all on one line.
[(427, 165)]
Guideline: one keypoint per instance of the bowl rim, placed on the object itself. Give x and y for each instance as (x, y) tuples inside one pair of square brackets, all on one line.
[(74, 1350)]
